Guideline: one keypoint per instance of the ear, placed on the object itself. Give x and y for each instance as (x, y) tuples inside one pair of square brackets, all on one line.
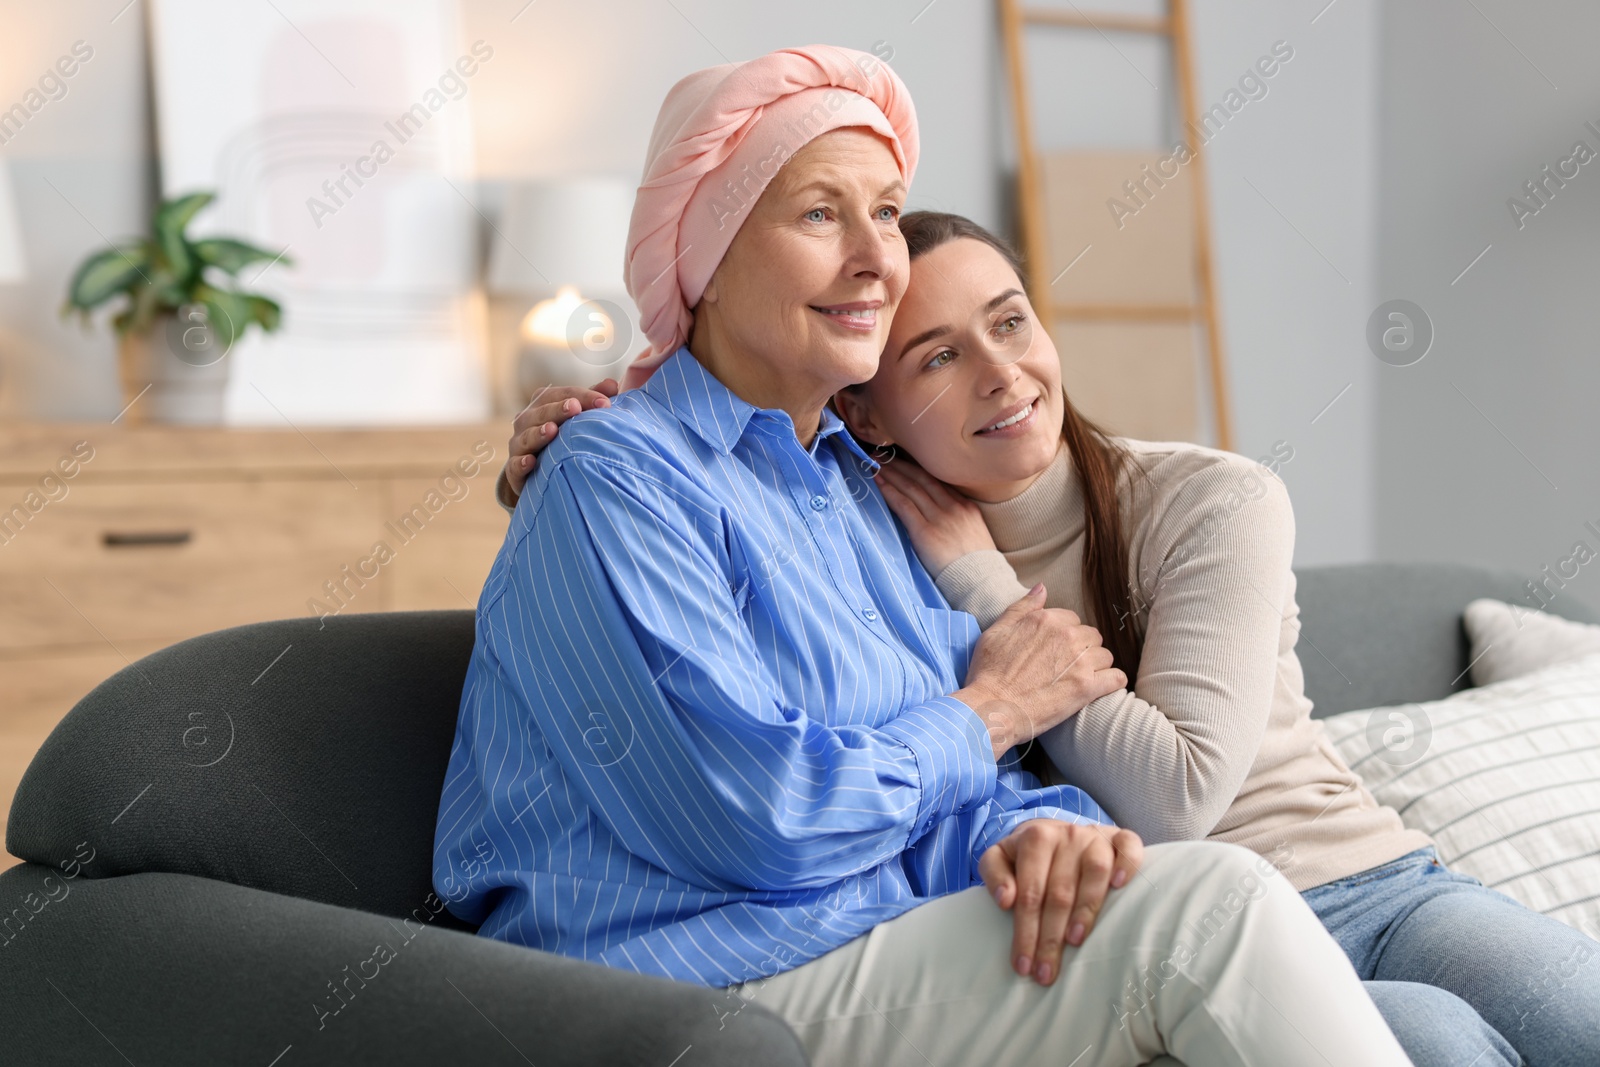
[(852, 406), (709, 293)]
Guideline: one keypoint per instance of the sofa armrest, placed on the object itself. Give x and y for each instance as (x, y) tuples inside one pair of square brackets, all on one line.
[(177, 969)]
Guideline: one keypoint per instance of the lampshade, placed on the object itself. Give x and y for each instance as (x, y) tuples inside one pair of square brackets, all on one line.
[(567, 231), (13, 264)]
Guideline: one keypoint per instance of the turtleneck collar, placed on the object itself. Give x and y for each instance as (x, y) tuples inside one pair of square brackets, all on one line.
[(1051, 509)]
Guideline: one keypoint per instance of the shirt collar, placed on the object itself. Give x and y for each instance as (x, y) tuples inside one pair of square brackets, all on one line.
[(718, 416)]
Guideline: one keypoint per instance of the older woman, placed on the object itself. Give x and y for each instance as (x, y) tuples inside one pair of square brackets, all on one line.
[(720, 726)]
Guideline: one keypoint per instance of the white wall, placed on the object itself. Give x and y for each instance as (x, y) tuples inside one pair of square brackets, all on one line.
[(1291, 189), (574, 88), (1490, 446), (82, 171)]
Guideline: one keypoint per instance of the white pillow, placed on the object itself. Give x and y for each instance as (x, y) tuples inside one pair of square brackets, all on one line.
[(1509, 640), (1505, 778)]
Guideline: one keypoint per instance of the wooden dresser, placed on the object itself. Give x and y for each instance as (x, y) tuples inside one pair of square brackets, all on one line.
[(117, 541)]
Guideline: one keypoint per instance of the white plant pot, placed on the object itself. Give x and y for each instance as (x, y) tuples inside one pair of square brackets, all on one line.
[(187, 375)]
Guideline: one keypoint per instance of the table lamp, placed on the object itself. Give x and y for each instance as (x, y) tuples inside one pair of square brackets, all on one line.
[(563, 240)]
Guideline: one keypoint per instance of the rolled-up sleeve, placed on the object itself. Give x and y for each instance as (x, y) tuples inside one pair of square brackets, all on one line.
[(619, 626)]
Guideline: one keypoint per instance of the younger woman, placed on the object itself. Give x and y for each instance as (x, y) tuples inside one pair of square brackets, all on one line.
[(1181, 555)]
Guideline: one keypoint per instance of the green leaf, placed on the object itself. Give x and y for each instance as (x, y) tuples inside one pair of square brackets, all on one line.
[(264, 312), (171, 219), (229, 255), (107, 274), (150, 301), (229, 313)]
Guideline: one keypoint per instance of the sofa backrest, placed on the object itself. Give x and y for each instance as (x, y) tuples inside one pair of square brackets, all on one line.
[(290, 756), (1374, 634), (308, 759)]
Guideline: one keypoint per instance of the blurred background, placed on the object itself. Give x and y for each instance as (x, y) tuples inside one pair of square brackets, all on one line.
[(358, 324)]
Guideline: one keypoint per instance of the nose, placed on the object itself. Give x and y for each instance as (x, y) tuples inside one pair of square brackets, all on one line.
[(869, 251), (997, 363)]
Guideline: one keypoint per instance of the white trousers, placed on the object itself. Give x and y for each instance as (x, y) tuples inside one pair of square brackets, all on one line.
[(1208, 956)]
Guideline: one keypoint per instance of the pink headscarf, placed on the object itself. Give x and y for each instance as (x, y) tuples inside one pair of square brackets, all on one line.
[(720, 137)]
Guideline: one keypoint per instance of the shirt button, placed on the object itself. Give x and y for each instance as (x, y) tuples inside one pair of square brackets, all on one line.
[(870, 615), (819, 502)]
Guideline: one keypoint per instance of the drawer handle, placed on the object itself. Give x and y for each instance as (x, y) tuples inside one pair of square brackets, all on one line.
[(141, 538)]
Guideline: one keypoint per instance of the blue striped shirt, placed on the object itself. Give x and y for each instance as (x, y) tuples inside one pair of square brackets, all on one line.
[(705, 731)]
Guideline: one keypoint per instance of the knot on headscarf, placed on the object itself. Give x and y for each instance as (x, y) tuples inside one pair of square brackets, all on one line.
[(719, 139)]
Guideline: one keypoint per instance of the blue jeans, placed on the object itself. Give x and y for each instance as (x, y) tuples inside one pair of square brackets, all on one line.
[(1464, 974)]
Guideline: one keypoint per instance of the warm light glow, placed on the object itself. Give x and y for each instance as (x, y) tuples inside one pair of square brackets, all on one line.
[(547, 322)]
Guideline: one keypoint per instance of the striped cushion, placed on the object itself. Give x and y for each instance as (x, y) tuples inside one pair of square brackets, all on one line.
[(1506, 778)]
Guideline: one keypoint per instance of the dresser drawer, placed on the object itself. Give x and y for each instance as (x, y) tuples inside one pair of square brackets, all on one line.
[(123, 561), (444, 566)]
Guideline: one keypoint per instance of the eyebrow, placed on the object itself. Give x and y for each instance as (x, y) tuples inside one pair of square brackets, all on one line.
[(939, 331), (829, 187)]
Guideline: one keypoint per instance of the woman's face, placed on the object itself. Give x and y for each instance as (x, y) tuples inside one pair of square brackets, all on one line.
[(964, 354), (802, 301)]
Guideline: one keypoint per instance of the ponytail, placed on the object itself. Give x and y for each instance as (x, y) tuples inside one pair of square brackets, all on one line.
[(1098, 462)]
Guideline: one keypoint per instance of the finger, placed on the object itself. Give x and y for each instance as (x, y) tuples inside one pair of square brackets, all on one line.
[(943, 496), (918, 474), (516, 475), (608, 386), (1032, 600), (1083, 636), (1067, 621), (1094, 879), (533, 440), (1098, 658), (1034, 855), (539, 409), (903, 507), (549, 394), (1060, 897), (994, 867), (918, 494), (886, 475), (1108, 681), (1129, 848), (557, 411)]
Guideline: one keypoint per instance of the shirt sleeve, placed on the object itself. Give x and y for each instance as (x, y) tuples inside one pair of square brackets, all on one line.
[(619, 623), (946, 861), (1168, 758)]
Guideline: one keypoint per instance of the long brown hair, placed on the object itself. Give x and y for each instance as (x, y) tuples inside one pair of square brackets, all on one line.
[(1098, 462)]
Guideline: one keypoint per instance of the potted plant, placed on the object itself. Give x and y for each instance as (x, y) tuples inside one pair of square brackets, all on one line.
[(180, 319)]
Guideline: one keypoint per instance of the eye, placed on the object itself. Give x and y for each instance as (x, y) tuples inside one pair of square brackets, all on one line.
[(939, 359), (1014, 321), (894, 212), (816, 211)]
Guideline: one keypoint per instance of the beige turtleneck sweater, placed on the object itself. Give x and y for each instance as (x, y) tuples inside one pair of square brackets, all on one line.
[(1216, 739)]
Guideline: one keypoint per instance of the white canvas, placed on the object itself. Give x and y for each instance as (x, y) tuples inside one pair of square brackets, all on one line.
[(274, 105)]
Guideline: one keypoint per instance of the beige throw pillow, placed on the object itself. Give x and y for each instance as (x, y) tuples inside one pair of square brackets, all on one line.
[(1509, 640)]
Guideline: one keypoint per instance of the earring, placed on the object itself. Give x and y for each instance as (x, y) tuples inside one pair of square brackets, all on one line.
[(877, 453)]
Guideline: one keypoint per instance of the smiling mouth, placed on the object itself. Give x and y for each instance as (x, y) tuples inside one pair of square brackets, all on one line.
[(1020, 416), (851, 319)]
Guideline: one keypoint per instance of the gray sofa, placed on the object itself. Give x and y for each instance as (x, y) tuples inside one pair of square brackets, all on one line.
[(220, 835)]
